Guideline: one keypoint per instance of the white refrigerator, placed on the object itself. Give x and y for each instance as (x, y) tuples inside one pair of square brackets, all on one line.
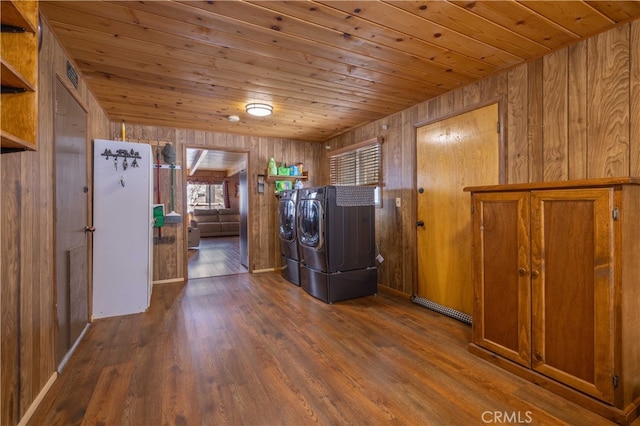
[(123, 221)]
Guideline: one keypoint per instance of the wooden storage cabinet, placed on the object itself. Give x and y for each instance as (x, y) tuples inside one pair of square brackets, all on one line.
[(19, 61), (502, 295), (557, 288)]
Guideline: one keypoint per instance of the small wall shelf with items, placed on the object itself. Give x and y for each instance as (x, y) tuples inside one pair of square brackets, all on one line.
[(285, 182), (19, 70), (272, 178), (290, 173), (284, 177)]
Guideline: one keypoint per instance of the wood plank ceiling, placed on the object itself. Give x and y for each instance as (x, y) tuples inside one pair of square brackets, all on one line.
[(325, 66)]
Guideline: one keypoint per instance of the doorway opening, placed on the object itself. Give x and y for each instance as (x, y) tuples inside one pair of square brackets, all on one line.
[(217, 206)]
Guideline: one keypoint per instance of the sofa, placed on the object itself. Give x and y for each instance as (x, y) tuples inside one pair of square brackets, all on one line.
[(216, 222)]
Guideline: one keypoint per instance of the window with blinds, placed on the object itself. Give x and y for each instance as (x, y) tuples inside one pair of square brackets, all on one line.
[(359, 164)]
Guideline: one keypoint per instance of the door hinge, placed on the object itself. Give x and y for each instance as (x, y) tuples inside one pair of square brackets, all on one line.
[(615, 381), (615, 214), (497, 127)]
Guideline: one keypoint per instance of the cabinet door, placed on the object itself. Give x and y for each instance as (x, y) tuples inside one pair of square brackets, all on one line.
[(572, 288), (502, 287)]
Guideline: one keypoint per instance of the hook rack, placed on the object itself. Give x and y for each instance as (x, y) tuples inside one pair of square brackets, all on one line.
[(120, 153), (124, 154)]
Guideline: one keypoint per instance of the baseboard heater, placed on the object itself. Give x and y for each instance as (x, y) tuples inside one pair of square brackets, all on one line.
[(460, 316)]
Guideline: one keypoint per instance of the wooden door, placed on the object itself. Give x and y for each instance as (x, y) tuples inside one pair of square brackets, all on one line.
[(451, 154), (71, 219), (502, 264), (572, 288)]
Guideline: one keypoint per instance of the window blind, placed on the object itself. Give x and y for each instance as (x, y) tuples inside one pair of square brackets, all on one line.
[(357, 166)]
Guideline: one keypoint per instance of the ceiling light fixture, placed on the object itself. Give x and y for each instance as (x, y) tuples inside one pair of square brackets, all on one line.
[(259, 110)]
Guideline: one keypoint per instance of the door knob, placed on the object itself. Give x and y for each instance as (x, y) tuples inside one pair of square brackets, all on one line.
[(90, 229), (420, 223)]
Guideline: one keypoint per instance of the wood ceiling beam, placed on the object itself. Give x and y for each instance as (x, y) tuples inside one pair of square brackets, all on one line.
[(197, 160)]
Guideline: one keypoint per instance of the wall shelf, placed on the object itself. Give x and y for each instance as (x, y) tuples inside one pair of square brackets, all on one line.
[(19, 70), (12, 142), (15, 15), (11, 77), (273, 178)]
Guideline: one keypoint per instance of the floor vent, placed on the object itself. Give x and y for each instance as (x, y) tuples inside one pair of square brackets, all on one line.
[(460, 316)]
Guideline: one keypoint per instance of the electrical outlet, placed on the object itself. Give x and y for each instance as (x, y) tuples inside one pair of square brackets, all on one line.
[(398, 202)]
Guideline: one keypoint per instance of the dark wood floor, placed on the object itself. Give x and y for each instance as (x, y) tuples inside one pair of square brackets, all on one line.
[(253, 349), (214, 257)]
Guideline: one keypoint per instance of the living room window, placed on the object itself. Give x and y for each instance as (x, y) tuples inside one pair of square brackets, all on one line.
[(358, 164), (210, 196)]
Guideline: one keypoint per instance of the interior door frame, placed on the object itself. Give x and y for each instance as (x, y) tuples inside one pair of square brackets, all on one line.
[(185, 213), (72, 91), (243, 182), (502, 159)]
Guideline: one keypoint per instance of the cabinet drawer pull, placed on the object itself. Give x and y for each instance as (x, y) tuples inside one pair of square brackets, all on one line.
[(535, 273), (522, 272)]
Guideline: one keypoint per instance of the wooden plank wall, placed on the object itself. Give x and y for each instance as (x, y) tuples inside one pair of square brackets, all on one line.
[(28, 242), (572, 114), (264, 249)]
